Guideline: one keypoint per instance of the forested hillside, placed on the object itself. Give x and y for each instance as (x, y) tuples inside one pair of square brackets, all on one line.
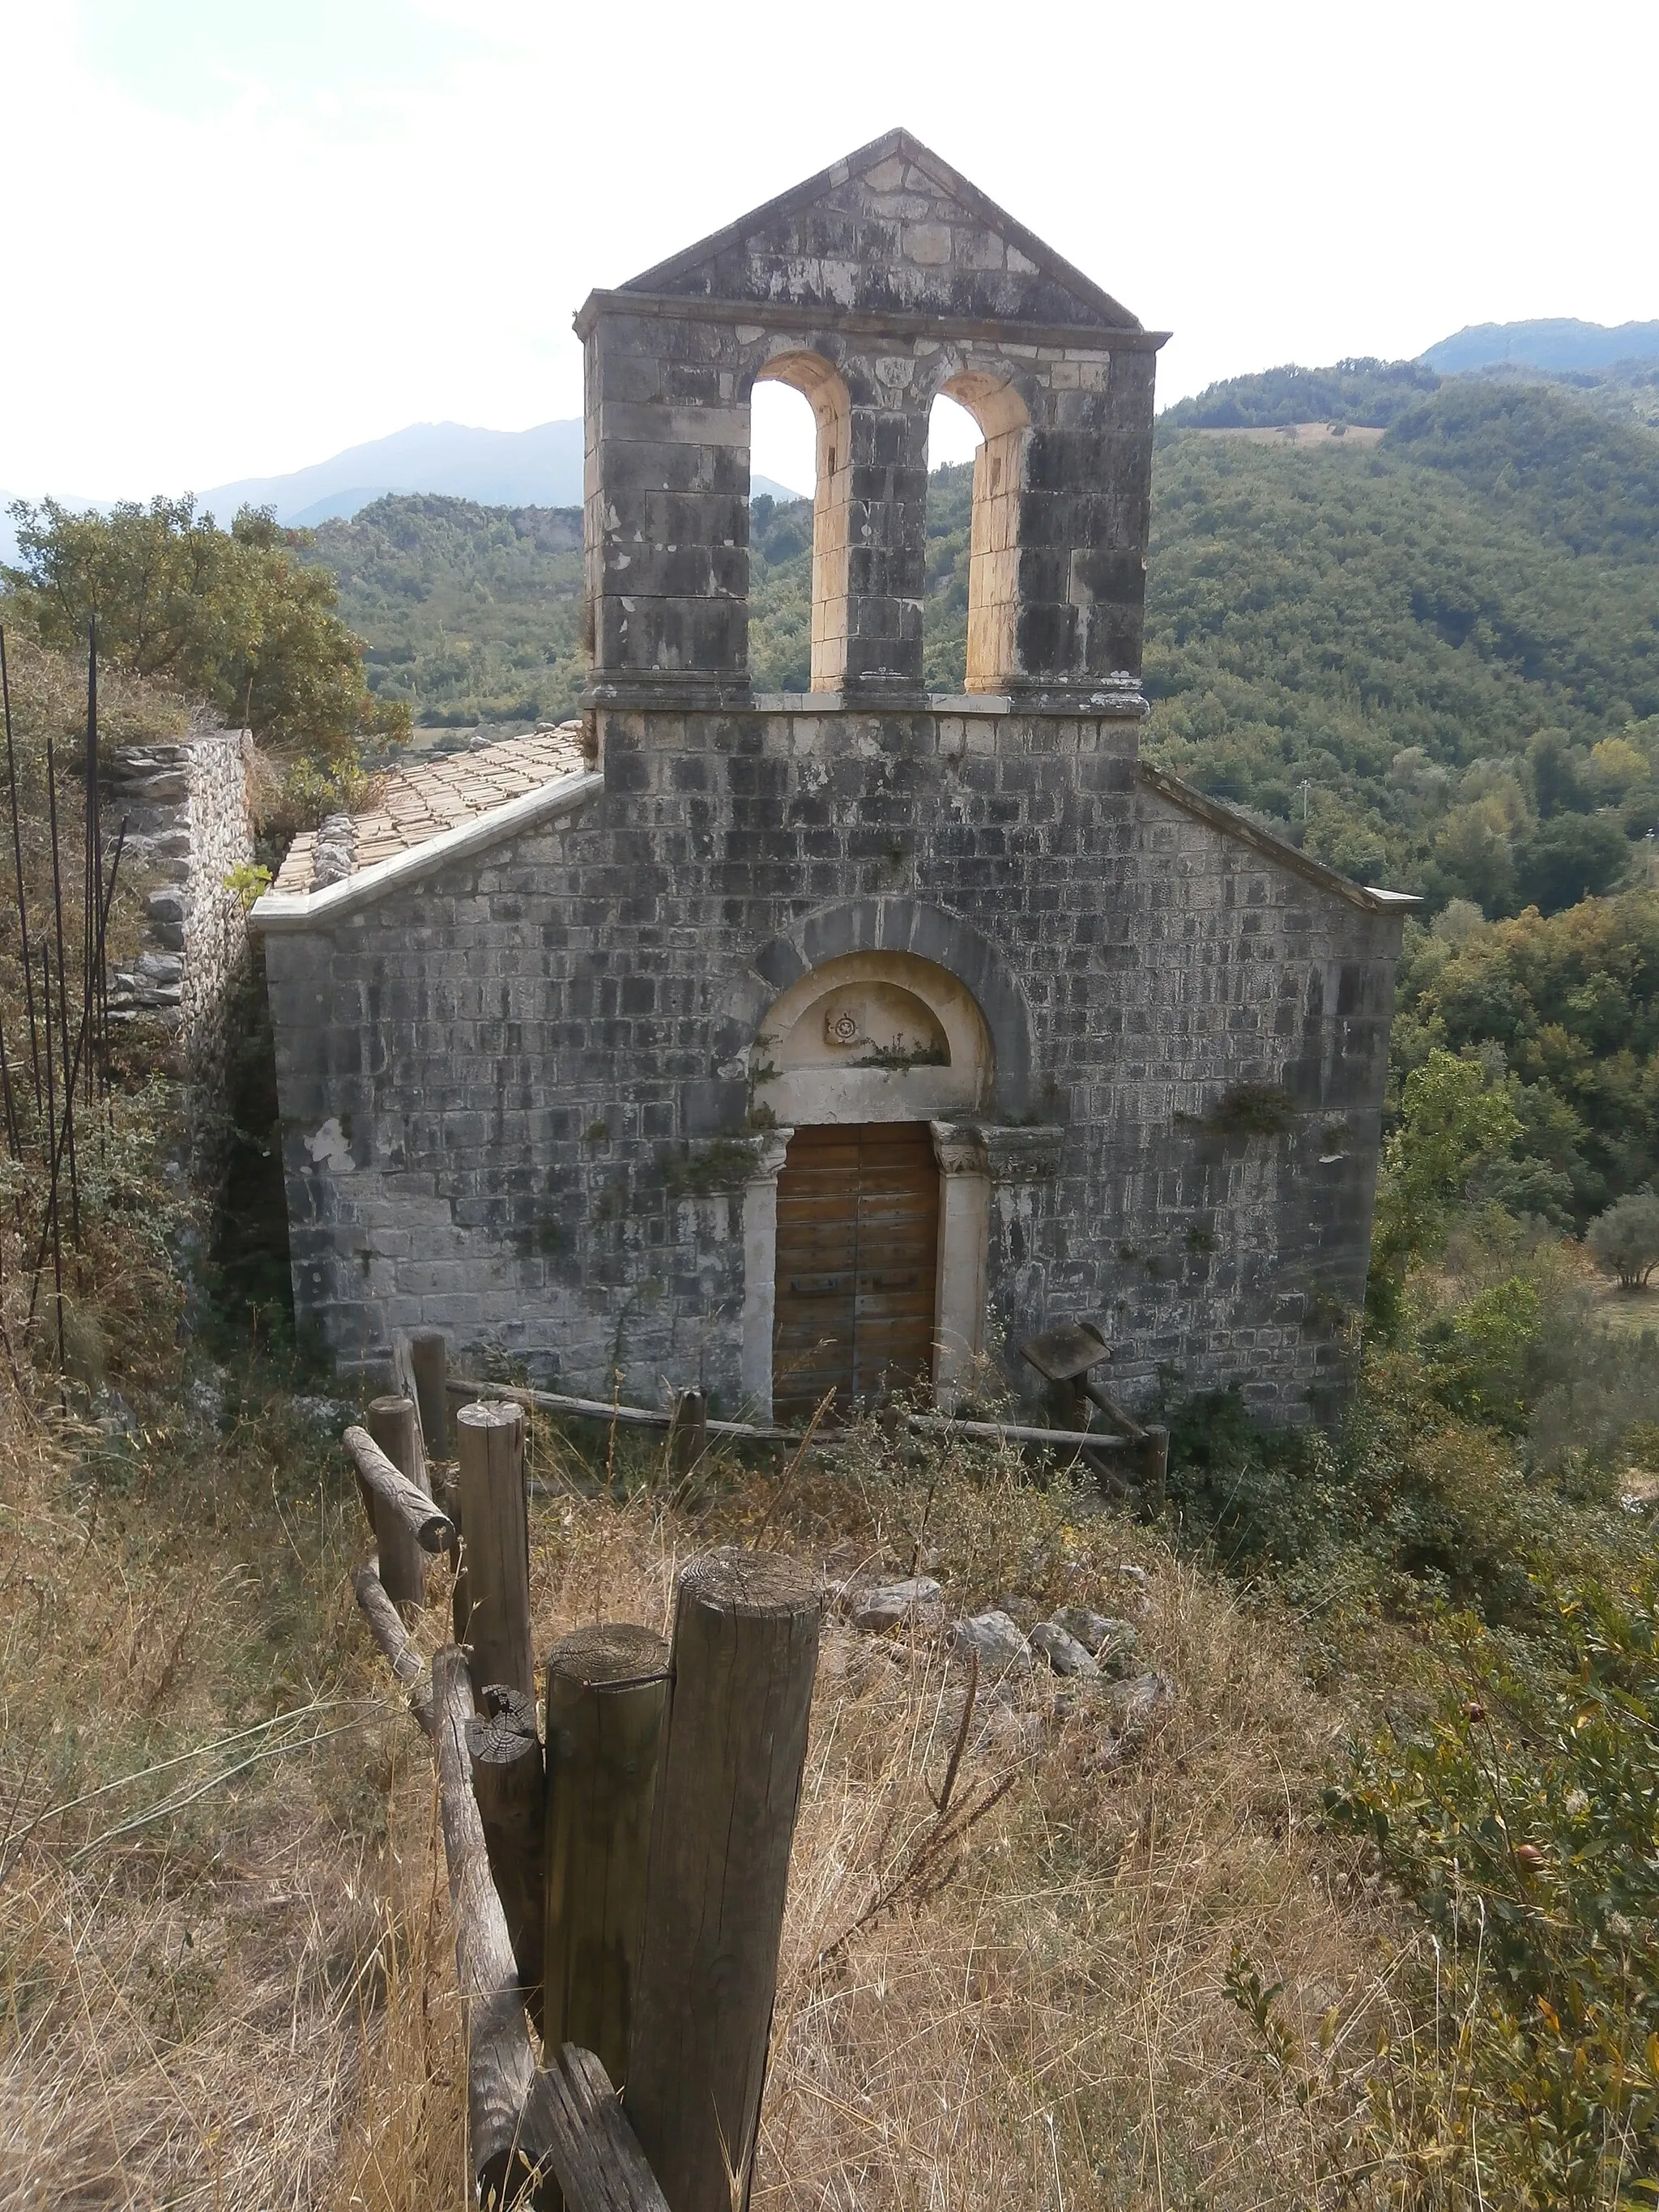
[(1434, 662), (472, 613)]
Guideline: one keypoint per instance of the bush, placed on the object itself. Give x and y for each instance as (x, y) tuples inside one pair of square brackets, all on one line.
[(1520, 1823)]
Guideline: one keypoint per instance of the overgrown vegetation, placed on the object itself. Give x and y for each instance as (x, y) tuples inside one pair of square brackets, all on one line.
[(235, 619)]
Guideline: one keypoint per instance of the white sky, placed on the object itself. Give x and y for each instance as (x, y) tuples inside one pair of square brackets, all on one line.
[(240, 234)]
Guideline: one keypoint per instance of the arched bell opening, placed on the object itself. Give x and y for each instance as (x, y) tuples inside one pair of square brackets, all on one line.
[(1003, 420), (821, 385)]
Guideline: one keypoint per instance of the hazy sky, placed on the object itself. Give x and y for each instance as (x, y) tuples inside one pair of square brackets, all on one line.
[(240, 234)]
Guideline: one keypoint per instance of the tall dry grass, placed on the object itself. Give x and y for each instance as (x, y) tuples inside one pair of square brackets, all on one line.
[(192, 1915), (1045, 2025)]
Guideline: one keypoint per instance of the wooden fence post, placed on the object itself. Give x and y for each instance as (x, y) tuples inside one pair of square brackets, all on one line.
[(508, 1782), (745, 1649), (607, 1690), (391, 1422), (500, 2064), (1154, 1476), (494, 1519), (428, 1357), (688, 1431)]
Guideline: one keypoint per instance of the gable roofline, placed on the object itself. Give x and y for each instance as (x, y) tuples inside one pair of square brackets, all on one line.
[(1109, 313), (290, 911), (1245, 832)]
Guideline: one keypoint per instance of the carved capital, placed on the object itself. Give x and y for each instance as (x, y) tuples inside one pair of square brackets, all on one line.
[(770, 1146), (959, 1148)]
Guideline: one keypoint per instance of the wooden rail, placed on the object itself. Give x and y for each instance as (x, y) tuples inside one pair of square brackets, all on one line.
[(391, 1489), (647, 1416)]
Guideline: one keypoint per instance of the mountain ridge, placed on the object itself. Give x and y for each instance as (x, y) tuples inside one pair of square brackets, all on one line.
[(538, 467)]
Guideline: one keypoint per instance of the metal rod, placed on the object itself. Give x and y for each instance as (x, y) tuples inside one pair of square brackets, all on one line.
[(56, 1150), (51, 1189), (62, 1003), (18, 861), (12, 1142)]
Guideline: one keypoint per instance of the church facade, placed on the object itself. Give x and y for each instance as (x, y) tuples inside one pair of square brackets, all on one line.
[(779, 1044)]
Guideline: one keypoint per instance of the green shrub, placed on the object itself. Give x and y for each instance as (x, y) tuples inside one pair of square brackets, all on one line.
[(1523, 1823)]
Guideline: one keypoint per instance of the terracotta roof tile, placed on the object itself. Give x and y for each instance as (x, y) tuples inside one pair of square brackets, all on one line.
[(416, 803)]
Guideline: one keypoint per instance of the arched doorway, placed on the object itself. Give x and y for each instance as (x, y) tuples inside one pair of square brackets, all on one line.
[(866, 1237)]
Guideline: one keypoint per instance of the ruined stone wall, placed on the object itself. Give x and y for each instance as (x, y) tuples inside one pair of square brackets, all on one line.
[(188, 829), (517, 1103)]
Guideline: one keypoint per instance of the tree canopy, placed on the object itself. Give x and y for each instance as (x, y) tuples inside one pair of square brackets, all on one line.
[(235, 617)]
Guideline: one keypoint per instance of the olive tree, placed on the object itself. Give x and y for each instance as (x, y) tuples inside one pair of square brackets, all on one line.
[(1625, 1238)]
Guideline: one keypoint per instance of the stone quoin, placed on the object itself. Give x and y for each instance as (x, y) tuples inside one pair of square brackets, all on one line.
[(774, 1044)]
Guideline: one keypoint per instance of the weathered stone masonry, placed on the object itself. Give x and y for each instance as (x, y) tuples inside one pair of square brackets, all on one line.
[(538, 1077), (186, 807)]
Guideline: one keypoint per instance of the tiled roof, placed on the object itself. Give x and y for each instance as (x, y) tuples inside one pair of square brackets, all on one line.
[(416, 803)]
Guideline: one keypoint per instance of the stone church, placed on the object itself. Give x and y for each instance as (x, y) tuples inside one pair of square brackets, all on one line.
[(843, 1038)]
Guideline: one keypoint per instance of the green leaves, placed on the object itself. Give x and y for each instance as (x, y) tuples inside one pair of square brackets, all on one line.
[(232, 615), (1452, 1122), (1523, 1822)]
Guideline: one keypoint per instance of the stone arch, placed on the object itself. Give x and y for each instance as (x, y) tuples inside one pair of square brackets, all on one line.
[(1004, 419), (930, 933), (824, 387), (874, 1036)]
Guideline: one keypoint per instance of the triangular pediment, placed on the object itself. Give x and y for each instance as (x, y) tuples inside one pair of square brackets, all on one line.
[(891, 229)]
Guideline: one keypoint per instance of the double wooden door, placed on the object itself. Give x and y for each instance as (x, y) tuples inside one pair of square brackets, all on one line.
[(857, 1263)]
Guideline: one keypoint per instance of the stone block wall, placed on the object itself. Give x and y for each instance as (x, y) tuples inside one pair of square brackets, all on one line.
[(668, 480), (188, 829), (521, 1101)]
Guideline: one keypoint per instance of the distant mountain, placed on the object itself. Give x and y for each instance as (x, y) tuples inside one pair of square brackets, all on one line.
[(542, 467), (1557, 342)]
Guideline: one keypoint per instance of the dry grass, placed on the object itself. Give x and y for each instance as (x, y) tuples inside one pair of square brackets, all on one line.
[(1047, 2027), (247, 1999), (191, 1912)]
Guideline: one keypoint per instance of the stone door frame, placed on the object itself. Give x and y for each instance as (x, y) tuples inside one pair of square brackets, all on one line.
[(964, 1229)]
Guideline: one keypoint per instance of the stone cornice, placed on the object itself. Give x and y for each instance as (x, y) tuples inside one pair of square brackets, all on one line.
[(800, 320), (1245, 832)]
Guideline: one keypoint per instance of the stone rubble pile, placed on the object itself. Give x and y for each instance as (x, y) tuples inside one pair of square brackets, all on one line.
[(1097, 1657)]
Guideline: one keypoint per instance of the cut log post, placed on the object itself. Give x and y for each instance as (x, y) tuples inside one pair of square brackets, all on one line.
[(745, 1648), (391, 1422), (576, 2127), (501, 2065), (507, 1780), (388, 1631), (402, 1386), (495, 1514), (1154, 1472), (688, 1431), (432, 1529), (607, 1690), (428, 1357)]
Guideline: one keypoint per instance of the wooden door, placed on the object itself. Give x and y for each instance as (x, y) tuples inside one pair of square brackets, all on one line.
[(858, 1254)]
